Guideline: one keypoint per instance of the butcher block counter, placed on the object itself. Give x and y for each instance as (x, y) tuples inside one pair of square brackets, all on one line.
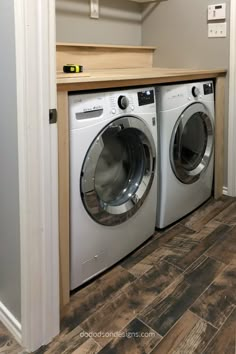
[(109, 78)]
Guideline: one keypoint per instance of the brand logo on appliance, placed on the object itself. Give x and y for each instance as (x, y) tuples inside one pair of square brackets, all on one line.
[(92, 108)]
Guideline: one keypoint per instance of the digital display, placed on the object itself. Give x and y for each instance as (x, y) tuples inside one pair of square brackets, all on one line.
[(208, 89), (145, 97), (217, 7)]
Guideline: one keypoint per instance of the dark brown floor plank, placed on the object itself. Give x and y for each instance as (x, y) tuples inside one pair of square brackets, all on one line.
[(224, 341), (124, 308), (170, 305), (228, 215), (218, 301), (136, 338), (225, 250), (206, 230), (67, 343), (88, 347), (163, 238), (206, 212), (183, 261), (8, 344), (160, 254), (182, 248), (94, 295), (190, 335)]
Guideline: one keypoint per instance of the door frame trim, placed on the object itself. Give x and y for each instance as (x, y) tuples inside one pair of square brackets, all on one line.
[(38, 174), (232, 103)]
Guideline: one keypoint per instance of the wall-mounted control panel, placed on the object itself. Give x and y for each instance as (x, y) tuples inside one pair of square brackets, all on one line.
[(217, 26), (217, 12)]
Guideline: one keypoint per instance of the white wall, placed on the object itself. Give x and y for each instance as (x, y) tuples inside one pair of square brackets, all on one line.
[(10, 292), (119, 22)]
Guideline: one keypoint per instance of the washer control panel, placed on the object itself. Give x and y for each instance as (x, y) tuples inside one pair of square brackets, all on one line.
[(145, 97), (208, 88), (195, 91), (123, 102)]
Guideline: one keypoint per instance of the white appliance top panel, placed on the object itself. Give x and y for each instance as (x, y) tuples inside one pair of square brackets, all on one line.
[(175, 96), (90, 108)]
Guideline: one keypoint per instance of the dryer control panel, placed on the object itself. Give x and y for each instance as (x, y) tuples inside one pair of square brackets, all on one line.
[(145, 97)]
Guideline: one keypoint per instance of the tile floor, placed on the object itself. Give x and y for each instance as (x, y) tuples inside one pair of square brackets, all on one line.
[(174, 295)]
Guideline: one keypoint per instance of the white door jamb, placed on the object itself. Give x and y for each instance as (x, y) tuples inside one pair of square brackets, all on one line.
[(232, 104), (38, 174)]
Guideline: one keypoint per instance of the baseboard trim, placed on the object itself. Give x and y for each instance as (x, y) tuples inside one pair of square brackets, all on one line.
[(11, 323), (225, 191)]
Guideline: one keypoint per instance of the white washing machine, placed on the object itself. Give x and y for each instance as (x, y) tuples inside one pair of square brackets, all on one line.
[(113, 181), (186, 129)]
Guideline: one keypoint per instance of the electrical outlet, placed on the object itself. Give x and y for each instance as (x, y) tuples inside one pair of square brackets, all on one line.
[(94, 8), (217, 29)]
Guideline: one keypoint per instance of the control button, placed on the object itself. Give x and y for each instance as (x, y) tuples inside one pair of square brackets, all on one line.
[(190, 98), (113, 111), (195, 91), (123, 102), (132, 107)]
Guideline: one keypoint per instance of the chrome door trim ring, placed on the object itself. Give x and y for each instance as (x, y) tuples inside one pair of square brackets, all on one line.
[(190, 176), (105, 213)]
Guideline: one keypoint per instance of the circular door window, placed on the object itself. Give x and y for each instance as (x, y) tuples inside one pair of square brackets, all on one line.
[(118, 171), (192, 143)]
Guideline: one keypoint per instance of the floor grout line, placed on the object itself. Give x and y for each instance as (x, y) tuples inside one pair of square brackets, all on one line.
[(152, 329), (202, 319), (217, 332)]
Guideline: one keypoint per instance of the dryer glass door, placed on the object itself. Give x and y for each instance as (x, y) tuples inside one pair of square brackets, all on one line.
[(118, 171), (192, 143)]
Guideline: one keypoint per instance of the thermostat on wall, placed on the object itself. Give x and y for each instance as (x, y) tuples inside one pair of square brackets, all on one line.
[(217, 12)]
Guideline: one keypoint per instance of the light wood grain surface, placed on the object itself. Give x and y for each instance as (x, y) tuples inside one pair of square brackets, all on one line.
[(150, 75), (91, 45), (104, 57)]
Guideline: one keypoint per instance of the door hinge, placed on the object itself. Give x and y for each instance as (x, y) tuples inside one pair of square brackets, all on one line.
[(52, 116)]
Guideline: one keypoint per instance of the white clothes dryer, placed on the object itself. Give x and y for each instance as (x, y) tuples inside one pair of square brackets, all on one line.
[(186, 130), (113, 181)]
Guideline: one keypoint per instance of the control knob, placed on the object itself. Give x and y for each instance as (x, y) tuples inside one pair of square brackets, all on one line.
[(195, 91), (123, 102)]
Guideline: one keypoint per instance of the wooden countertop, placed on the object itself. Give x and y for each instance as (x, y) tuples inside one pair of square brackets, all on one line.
[(125, 77)]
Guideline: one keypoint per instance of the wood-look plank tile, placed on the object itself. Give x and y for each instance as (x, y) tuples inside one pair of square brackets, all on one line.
[(206, 212), (206, 230), (228, 215), (68, 342), (118, 313), (203, 271), (224, 341), (135, 338), (8, 344), (225, 250), (161, 253), (88, 347), (178, 249), (163, 238), (184, 260), (93, 296), (218, 301), (170, 305), (190, 335)]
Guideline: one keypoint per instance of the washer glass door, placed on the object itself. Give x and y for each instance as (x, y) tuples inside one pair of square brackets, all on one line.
[(192, 143), (118, 171)]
